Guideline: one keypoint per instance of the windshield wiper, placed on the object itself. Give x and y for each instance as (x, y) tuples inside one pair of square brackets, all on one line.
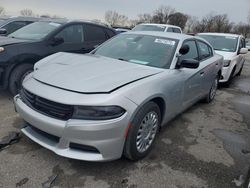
[(122, 59)]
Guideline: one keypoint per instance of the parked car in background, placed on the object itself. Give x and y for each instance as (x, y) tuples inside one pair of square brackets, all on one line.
[(21, 49), (231, 47), (112, 102), (248, 44), (157, 27), (9, 25)]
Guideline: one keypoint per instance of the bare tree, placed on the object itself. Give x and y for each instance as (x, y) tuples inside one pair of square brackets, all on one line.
[(115, 19), (191, 24), (161, 15), (242, 29), (2, 11), (26, 12), (178, 19), (144, 18)]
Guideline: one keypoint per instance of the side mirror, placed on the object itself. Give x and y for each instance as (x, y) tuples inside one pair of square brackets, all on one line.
[(3, 31), (243, 51), (184, 49), (57, 41), (189, 63)]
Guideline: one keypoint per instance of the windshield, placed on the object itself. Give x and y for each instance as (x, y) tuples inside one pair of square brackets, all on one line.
[(1, 21), (140, 49), (149, 28), (222, 43), (35, 31)]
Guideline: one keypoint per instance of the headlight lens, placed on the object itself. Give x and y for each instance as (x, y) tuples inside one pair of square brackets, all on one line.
[(226, 63), (1, 49), (97, 112)]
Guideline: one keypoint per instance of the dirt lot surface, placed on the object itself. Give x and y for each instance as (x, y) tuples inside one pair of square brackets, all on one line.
[(207, 146)]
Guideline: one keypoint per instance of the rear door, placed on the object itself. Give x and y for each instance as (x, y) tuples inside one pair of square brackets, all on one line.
[(208, 66)]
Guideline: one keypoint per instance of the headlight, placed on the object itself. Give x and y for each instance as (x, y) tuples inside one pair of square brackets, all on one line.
[(226, 63), (97, 112), (1, 49)]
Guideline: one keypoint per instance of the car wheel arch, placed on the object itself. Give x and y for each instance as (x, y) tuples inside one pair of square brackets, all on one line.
[(159, 100)]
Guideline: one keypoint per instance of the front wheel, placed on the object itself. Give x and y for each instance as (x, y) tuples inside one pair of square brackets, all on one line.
[(212, 92), (143, 131), (17, 76)]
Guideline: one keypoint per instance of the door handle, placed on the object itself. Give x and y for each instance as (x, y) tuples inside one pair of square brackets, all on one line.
[(202, 73)]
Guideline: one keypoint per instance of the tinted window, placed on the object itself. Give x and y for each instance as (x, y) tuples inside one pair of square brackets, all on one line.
[(170, 29), (13, 26), (94, 33), (193, 53), (110, 33), (72, 34), (204, 50), (149, 28), (176, 30), (140, 49)]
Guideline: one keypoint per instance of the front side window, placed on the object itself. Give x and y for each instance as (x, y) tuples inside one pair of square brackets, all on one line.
[(35, 31), (192, 53), (222, 43), (140, 49), (170, 29), (204, 50), (176, 30), (71, 34)]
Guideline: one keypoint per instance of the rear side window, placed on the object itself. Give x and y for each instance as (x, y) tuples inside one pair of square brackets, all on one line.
[(204, 50), (176, 30), (110, 33), (13, 26), (193, 52), (94, 33)]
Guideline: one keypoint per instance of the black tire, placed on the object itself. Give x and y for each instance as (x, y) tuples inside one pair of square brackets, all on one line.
[(212, 92), (130, 150), (17, 76)]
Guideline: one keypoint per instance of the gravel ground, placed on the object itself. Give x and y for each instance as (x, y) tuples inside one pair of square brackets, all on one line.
[(200, 148)]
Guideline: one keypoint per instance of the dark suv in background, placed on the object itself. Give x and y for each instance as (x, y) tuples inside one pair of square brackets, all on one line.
[(9, 25), (21, 49)]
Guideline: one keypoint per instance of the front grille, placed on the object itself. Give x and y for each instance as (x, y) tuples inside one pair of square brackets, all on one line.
[(46, 135), (47, 107)]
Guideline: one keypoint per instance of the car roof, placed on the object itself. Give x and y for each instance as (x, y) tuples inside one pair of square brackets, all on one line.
[(177, 36), (220, 34), (166, 25)]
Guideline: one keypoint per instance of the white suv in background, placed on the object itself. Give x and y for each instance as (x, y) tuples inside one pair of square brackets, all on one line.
[(157, 27), (231, 47), (248, 44)]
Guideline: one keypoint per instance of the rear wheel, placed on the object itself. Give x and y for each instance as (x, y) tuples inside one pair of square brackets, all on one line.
[(142, 134), (17, 76)]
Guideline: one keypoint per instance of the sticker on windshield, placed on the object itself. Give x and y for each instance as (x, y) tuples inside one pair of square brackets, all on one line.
[(138, 62), (165, 41), (54, 24)]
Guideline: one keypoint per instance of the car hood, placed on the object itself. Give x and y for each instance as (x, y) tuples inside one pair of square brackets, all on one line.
[(226, 55), (90, 73), (4, 41)]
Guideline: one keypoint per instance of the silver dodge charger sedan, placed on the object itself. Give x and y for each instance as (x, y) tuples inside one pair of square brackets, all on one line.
[(113, 101)]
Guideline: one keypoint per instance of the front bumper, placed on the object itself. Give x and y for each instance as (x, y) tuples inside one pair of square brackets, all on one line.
[(226, 71), (107, 137)]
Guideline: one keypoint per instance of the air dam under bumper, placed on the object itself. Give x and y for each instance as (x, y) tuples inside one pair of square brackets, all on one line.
[(107, 137)]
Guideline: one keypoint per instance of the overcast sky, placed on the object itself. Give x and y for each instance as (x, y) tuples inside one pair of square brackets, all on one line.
[(95, 9)]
